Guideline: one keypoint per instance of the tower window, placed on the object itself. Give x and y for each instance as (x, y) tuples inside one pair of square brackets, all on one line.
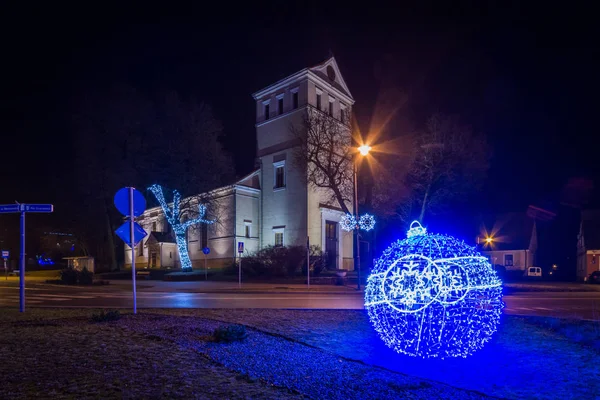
[(266, 111), (280, 105), (279, 236), (319, 101), (343, 113), (279, 168), (295, 99), (331, 106)]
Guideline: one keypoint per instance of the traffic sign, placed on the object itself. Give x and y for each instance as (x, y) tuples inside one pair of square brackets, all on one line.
[(240, 247), (206, 250), (9, 208), (138, 233), (5, 253), (122, 202), (41, 208)]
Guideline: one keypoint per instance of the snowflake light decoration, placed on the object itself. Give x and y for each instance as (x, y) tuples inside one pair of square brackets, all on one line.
[(366, 222), (432, 295), (349, 223)]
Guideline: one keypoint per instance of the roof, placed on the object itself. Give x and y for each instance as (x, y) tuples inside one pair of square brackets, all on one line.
[(320, 71), (511, 231), (162, 237), (590, 229)]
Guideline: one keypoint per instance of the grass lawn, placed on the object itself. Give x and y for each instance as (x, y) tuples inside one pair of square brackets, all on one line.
[(54, 353)]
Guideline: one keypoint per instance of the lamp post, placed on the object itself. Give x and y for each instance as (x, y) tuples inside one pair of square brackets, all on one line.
[(363, 151)]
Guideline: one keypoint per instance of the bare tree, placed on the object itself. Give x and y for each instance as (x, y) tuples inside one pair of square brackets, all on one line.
[(325, 152), (446, 162), (126, 138)]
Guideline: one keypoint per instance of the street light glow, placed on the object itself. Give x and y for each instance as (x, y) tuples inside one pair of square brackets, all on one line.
[(364, 149), (489, 240)]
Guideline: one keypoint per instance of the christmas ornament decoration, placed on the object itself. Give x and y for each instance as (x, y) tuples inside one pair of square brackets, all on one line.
[(432, 295)]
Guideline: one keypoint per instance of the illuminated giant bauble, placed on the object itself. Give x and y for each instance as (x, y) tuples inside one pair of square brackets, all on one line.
[(432, 295)]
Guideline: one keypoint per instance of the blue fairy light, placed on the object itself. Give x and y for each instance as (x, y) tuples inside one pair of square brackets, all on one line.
[(366, 222), (349, 223), (431, 295), (172, 214)]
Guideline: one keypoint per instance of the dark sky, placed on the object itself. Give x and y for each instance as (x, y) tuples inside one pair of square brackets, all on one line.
[(526, 77)]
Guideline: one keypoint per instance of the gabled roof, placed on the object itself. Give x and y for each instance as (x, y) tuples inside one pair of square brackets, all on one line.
[(318, 73), (251, 180), (161, 237), (590, 229), (511, 231), (321, 70)]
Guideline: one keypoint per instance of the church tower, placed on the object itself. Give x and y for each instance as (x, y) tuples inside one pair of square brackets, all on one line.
[(290, 210)]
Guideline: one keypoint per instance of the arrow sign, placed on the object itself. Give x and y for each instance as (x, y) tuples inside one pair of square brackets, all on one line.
[(9, 208), (41, 208), (138, 233)]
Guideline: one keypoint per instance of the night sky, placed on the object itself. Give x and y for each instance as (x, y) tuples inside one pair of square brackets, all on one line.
[(526, 77)]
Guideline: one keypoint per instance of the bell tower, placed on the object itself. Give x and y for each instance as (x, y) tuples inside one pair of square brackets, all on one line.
[(291, 211)]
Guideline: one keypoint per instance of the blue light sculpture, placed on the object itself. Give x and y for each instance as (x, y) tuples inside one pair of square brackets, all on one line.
[(432, 295), (173, 216), (348, 223)]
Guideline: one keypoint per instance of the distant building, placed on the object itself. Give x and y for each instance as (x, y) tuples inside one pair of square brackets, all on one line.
[(512, 242), (272, 206), (588, 244)]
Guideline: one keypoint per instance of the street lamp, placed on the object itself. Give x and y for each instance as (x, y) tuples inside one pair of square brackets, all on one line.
[(363, 151)]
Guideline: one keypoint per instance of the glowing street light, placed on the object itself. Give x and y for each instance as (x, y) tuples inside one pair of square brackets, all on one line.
[(489, 240), (364, 149)]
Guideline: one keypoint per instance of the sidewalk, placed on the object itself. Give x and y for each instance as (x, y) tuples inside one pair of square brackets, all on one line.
[(232, 287), (542, 286)]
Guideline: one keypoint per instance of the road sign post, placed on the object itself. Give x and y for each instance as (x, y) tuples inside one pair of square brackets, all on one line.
[(308, 262), (22, 266), (206, 252), (23, 208), (131, 203), (5, 254), (240, 251), (131, 235)]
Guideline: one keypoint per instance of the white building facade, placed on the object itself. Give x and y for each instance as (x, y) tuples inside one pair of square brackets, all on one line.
[(272, 206)]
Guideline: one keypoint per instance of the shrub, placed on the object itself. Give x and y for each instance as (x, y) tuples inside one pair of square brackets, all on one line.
[(86, 277), (69, 276), (318, 261), (230, 333), (107, 316)]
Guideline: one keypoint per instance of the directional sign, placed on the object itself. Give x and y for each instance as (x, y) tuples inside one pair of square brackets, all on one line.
[(206, 250), (240, 247), (138, 233), (5, 254), (9, 208), (122, 202), (41, 208)]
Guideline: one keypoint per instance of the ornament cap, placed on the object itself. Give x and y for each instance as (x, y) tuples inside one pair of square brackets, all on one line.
[(416, 229)]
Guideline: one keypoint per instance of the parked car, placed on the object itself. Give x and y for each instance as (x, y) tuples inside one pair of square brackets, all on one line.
[(534, 272), (594, 277)]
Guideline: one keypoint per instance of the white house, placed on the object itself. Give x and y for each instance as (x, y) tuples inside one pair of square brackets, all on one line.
[(514, 243), (273, 205)]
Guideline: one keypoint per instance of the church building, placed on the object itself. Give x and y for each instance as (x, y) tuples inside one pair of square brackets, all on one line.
[(274, 205)]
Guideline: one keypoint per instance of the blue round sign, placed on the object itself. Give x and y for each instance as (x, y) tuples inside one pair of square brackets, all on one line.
[(206, 250), (122, 202)]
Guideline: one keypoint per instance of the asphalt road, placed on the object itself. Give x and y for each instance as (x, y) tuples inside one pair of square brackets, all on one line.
[(584, 305)]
